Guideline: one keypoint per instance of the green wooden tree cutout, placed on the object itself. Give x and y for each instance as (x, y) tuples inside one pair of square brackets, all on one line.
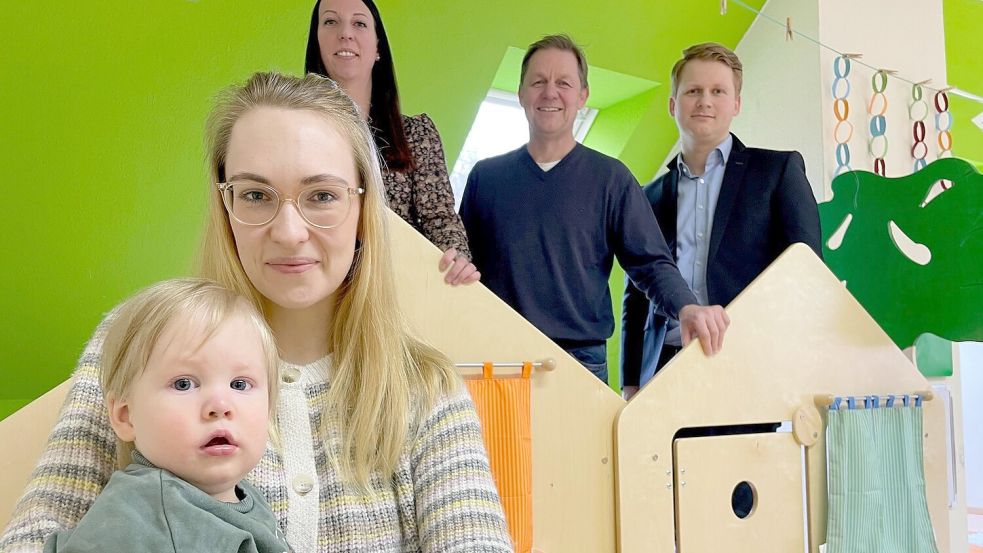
[(910, 251)]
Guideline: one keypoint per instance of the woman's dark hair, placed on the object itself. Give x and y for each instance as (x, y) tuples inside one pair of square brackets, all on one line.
[(385, 118)]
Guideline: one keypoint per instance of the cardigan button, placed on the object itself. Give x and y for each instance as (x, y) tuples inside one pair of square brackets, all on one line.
[(290, 375), (303, 484)]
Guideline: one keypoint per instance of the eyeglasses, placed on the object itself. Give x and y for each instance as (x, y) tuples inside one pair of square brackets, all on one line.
[(254, 204)]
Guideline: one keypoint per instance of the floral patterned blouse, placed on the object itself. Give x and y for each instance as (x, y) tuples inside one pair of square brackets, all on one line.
[(423, 196)]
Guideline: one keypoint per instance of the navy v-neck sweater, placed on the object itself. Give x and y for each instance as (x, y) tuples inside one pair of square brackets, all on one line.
[(544, 241)]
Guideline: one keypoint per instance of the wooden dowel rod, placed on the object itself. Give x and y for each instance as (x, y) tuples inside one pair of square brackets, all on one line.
[(825, 400), (547, 364)]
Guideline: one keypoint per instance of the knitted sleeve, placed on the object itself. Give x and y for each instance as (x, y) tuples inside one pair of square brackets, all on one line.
[(432, 193), (457, 504), (77, 461)]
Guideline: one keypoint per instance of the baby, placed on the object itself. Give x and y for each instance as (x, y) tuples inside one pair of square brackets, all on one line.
[(188, 374)]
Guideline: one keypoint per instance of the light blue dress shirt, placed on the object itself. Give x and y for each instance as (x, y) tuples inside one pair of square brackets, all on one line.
[(696, 202)]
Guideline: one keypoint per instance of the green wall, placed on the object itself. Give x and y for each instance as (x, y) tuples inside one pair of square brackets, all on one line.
[(614, 129), (642, 39), (103, 105), (102, 108), (963, 25)]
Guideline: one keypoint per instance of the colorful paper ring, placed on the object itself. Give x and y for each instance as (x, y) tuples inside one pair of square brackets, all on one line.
[(841, 109), (836, 84), (880, 166), (878, 146), (911, 110), (924, 149), (842, 154), (883, 81), (943, 121), (878, 125), (945, 141), (918, 131), (873, 99), (837, 134)]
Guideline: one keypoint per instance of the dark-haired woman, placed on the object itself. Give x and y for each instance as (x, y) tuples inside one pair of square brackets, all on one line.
[(348, 43)]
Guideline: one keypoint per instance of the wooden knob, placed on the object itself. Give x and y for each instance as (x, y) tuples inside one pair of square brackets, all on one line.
[(806, 425)]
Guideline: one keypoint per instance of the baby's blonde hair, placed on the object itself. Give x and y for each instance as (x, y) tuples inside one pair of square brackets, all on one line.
[(138, 323)]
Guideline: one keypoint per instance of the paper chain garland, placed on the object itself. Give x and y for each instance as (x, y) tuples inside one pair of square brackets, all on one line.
[(918, 112), (877, 146), (841, 109), (943, 122)]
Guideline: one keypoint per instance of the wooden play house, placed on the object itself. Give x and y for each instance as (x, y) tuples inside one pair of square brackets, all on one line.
[(609, 476)]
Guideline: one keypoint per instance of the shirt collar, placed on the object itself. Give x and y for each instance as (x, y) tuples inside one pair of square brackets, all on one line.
[(719, 155)]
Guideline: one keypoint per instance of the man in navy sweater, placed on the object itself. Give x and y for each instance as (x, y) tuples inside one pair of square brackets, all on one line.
[(545, 222)]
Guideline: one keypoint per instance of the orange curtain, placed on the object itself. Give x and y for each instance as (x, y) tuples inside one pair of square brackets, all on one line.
[(503, 407)]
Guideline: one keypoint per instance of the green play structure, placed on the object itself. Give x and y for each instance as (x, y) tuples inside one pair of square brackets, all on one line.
[(910, 249)]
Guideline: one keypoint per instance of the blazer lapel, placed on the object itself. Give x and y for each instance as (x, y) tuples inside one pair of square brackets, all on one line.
[(729, 192), (667, 208)]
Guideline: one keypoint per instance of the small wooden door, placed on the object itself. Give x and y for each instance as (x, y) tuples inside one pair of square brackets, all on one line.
[(707, 471)]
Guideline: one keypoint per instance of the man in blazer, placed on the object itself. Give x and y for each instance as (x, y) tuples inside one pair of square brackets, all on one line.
[(726, 211)]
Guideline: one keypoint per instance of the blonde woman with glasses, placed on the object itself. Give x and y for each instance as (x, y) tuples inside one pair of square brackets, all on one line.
[(380, 445)]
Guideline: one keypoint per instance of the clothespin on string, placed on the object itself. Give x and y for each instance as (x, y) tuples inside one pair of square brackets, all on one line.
[(788, 28), (723, 7)]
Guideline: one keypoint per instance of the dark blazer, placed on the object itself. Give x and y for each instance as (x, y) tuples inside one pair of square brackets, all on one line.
[(765, 205)]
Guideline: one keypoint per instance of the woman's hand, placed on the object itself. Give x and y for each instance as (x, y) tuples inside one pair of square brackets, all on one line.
[(461, 270)]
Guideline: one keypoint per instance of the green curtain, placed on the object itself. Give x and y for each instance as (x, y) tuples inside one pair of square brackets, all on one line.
[(877, 481)]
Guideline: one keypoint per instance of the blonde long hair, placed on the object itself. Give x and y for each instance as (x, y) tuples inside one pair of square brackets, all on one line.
[(383, 379)]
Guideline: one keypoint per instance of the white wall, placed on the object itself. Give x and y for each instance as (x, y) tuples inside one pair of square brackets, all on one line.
[(782, 92), (971, 371), (904, 35), (787, 99)]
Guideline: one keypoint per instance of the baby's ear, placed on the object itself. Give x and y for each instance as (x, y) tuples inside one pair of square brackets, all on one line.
[(119, 418)]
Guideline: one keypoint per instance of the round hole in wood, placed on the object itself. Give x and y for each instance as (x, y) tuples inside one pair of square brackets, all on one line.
[(743, 499)]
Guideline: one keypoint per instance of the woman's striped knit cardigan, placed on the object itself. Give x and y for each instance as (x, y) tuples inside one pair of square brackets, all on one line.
[(441, 498)]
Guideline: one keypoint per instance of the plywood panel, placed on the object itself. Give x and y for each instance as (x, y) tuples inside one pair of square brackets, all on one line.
[(795, 333), (572, 411), (707, 471), (24, 434)]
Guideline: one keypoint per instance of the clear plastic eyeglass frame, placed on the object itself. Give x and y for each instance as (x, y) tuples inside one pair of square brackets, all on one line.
[(226, 187)]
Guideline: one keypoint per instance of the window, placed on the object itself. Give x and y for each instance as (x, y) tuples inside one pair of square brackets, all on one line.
[(501, 127)]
